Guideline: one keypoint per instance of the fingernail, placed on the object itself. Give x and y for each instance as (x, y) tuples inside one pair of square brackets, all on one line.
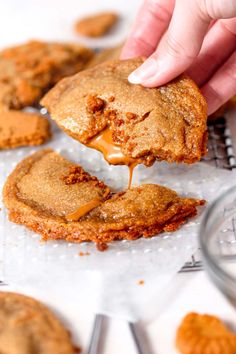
[(148, 69)]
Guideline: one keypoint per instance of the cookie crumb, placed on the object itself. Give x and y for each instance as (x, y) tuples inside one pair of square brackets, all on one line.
[(130, 115), (101, 246), (111, 99), (141, 282), (76, 174), (95, 104), (110, 114), (81, 254)]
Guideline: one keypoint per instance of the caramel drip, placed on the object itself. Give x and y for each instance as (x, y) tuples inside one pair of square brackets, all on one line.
[(111, 151), (131, 171), (86, 208)]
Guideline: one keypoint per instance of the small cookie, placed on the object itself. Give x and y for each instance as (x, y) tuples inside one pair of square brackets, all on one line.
[(204, 334), (27, 327), (96, 25), (78, 207), (28, 70), (165, 123), (22, 129)]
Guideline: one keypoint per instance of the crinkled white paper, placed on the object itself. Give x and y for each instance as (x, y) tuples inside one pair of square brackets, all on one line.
[(113, 275)]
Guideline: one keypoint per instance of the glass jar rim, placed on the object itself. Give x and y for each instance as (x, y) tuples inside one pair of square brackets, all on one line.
[(208, 258)]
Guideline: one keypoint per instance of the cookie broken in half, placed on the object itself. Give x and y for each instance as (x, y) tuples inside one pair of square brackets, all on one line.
[(59, 200)]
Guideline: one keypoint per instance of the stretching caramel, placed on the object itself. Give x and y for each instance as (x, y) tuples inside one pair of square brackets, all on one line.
[(111, 151)]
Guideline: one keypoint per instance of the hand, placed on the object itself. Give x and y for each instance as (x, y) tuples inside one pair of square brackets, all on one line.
[(197, 36)]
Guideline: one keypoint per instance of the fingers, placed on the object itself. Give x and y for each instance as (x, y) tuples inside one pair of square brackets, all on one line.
[(218, 45), (178, 48), (225, 77), (152, 21), (218, 9)]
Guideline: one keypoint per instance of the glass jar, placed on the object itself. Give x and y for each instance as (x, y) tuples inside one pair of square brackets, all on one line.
[(218, 243)]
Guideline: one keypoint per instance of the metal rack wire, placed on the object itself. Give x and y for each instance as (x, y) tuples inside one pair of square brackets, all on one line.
[(221, 155)]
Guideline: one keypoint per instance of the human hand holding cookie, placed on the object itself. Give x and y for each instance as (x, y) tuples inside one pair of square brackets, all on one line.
[(179, 36)]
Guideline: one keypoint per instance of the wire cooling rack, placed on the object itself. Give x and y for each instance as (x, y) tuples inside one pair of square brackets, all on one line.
[(221, 155)]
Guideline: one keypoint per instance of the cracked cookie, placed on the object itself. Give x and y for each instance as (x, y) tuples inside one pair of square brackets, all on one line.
[(204, 334), (27, 71), (22, 129), (96, 25), (28, 327), (59, 200), (146, 124)]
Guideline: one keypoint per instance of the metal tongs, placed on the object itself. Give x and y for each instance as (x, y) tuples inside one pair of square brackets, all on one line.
[(95, 339)]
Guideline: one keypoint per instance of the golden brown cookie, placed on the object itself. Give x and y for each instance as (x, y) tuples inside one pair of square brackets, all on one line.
[(204, 334), (59, 200), (27, 71), (29, 327), (96, 25), (148, 124), (22, 129), (105, 55)]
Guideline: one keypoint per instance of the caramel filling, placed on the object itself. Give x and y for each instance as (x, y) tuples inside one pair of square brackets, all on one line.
[(83, 210), (86, 208), (111, 151)]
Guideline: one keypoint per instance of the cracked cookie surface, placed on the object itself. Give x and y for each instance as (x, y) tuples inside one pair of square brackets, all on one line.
[(165, 123)]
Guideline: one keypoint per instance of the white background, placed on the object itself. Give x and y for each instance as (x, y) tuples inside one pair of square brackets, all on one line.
[(53, 19)]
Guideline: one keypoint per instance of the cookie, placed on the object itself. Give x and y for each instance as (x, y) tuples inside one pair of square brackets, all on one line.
[(22, 129), (27, 71), (96, 25), (27, 327), (147, 124), (105, 55), (204, 334), (59, 200)]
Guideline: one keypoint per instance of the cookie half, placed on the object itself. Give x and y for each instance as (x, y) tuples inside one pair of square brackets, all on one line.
[(47, 193), (147, 124)]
